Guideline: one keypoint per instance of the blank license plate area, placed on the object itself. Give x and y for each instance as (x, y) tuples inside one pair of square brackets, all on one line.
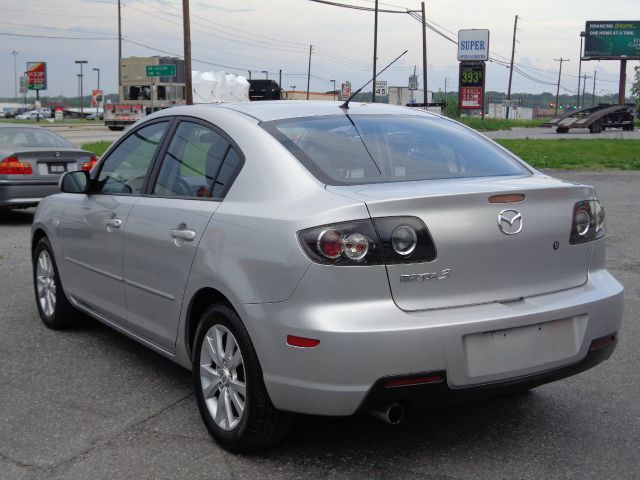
[(57, 167), (514, 349)]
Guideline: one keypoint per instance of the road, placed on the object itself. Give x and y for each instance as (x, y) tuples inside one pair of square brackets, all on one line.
[(81, 134), (90, 403), (550, 134)]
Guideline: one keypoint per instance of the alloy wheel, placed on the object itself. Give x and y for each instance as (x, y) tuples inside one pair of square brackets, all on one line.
[(222, 377), (46, 283)]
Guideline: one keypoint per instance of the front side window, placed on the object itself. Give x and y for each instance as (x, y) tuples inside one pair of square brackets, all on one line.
[(198, 163), (125, 169), (356, 149)]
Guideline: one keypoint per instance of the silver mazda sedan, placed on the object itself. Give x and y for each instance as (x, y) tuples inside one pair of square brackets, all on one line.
[(304, 257)]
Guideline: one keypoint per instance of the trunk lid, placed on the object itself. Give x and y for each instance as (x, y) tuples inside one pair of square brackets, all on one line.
[(48, 162), (483, 263)]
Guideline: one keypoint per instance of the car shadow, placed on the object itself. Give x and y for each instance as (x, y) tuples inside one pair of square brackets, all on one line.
[(17, 217)]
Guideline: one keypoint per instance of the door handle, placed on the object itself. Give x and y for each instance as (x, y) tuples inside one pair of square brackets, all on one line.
[(112, 224), (183, 234)]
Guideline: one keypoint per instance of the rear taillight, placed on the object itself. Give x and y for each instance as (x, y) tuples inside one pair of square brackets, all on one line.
[(405, 240), (348, 243), (13, 166), (89, 165), (390, 240), (588, 222)]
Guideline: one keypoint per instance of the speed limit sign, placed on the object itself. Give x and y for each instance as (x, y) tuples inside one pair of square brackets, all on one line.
[(381, 88)]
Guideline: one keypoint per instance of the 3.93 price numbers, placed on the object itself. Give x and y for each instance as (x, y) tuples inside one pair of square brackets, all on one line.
[(472, 77)]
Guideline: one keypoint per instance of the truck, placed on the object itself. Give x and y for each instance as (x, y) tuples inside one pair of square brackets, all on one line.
[(140, 95), (597, 118)]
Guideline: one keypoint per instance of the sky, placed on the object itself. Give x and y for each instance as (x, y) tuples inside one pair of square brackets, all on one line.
[(260, 35)]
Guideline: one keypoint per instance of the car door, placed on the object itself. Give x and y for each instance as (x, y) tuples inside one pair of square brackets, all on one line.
[(92, 225), (165, 226)]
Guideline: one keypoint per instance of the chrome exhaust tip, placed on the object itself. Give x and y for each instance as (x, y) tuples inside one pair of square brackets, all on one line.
[(392, 414)]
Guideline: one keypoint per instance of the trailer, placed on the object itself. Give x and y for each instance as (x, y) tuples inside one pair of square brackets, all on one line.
[(596, 119)]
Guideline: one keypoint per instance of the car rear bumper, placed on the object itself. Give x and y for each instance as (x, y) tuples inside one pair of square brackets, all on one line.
[(472, 347), (26, 193)]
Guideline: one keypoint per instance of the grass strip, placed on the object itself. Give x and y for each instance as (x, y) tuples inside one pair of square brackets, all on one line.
[(97, 147), (577, 154)]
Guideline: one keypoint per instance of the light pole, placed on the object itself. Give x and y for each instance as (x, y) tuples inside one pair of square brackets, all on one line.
[(81, 62), (266, 73), (99, 96), (15, 74), (334, 89), (293, 91)]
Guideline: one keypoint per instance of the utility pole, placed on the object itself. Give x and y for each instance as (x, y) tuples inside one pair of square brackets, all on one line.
[(334, 89), (375, 52), (119, 51), (623, 81), (559, 76), (309, 71), (584, 85), (445, 89), (513, 52), (15, 74), (582, 35), (188, 86), (593, 96), (99, 94), (81, 62), (280, 84), (424, 55)]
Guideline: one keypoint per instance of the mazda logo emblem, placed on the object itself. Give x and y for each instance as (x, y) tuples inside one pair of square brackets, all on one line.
[(510, 221)]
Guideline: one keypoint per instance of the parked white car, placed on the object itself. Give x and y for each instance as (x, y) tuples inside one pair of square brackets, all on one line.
[(30, 115)]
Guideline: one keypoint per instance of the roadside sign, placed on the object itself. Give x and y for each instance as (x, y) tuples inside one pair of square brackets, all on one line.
[(473, 45), (161, 70), (346, 91), (607, 40), (511, 102), (413, 82), (471, 83), (96, 98), (37, 75), (382, 88)]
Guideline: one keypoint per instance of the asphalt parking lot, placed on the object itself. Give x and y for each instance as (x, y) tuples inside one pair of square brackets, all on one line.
[(90, 403)]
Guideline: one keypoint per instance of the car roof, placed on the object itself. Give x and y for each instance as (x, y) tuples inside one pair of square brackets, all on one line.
[(279, 109)]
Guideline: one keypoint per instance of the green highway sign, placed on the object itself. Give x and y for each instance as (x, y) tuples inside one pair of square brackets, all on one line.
[(161, 70), (608, 40)]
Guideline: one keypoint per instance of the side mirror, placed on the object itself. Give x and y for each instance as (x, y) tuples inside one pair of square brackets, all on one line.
[(74, 182)]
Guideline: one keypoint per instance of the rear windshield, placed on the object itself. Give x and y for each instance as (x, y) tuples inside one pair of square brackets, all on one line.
[(31, 137), (353, 149)]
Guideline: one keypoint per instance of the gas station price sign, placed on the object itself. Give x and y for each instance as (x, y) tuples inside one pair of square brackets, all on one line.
[(472, 74), (471, 85)]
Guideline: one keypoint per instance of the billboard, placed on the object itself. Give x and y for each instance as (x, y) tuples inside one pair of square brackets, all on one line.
[(612, 40), (473, 45), (37, 75)]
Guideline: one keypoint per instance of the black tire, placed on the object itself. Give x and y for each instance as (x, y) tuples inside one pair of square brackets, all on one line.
[(63, 315), (562, 130), (260, 425), (116, 129)]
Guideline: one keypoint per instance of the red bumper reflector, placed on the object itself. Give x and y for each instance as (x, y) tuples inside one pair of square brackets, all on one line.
[(602, 342), (404, 382), (302, 342)]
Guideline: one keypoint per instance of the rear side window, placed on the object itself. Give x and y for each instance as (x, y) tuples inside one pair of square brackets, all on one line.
[(353, 149)]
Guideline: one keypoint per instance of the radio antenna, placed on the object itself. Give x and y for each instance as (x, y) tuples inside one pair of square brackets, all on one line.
[(345, 105)]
